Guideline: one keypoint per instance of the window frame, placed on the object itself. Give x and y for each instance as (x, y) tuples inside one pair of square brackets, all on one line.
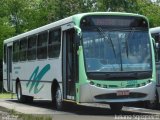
[(23, 50), (52, 43), (32, 56), (15, 52), (42, 48)]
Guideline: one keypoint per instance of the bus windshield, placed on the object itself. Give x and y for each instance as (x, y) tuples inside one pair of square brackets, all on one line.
[(116, 50)]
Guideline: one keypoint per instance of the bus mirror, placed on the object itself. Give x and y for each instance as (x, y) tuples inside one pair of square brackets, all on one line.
[(79, 31)]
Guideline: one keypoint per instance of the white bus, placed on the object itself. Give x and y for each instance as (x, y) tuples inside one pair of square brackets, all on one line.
[(86, 58), (155, 32)]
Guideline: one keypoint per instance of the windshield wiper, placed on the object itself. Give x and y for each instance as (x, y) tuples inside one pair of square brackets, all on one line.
[(127, 46), (103, 34), (126, 43)]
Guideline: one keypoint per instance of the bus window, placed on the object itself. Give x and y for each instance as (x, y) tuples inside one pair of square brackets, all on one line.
[(54, 43), (16, 51), (42, 45), (23, 49), (156, 37), (31, 53)]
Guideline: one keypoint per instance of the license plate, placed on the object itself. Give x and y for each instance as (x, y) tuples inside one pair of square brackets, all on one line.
[(123, 93)]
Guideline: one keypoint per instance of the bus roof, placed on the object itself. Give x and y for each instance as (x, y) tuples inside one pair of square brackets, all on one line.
[(155, 30), (70, 19)]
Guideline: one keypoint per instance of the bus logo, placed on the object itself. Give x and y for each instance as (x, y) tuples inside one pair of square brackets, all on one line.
[(35, 79)]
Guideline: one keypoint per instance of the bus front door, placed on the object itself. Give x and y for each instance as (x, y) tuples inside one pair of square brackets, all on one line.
[(69, 64), (9, 68)]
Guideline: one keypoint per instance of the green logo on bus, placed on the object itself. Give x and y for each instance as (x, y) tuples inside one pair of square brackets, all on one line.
[(36, 77)]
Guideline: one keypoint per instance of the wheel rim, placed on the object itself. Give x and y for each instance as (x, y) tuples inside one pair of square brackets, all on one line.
[(58, 98)]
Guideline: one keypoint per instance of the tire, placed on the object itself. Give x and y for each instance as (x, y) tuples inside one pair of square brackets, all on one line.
[(58, 98), (116, 107), (22, 98), (153, 104)]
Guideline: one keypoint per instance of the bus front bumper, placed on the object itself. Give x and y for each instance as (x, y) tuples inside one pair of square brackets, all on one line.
[(92, 93)]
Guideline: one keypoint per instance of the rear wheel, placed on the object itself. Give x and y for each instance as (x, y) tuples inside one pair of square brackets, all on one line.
[(116, 107), (20, 97)]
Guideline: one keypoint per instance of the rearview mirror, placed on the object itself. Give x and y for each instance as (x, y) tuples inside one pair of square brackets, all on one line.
[(79, 31)]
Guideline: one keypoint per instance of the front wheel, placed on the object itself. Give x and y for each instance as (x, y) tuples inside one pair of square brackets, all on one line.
[(154, 104), (116, 107)]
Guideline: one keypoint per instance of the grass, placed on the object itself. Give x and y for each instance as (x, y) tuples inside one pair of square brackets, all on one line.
[(29, 116), (34, 117), (4, 94), (12, 114), (7, 95)]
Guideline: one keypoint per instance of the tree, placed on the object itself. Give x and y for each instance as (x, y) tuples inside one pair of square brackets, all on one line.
[(117, 5), (59, 9), (150, 10), (15, 9), (6, 29), (144, 7), (18, 16)]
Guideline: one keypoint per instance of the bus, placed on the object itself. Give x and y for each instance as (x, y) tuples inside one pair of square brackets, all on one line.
[(155, 33), (97, 57)]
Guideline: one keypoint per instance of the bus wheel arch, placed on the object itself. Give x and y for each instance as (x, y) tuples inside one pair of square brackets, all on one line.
[(56, 95), (22, 98)]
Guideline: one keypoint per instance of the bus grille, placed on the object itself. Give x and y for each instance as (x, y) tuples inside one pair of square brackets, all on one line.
[(114, 96)]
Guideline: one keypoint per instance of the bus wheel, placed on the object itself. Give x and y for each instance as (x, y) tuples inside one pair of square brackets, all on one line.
[(58, 99), (116, 107), (20, 97), (153, 104)]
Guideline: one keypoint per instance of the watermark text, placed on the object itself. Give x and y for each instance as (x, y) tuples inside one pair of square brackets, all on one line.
[(137, 117)]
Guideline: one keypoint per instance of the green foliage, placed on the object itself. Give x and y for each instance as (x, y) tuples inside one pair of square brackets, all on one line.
[(6, 96), (117, 5), (6, 31), (18, 16), (34, 117), (12, 113), (150, 10)]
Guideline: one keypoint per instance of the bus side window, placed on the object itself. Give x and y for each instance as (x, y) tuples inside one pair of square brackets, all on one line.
[(54, 43), (31, 53), (16, 51), (42, 45), (158, 50), (156, 39), (23, 49)]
